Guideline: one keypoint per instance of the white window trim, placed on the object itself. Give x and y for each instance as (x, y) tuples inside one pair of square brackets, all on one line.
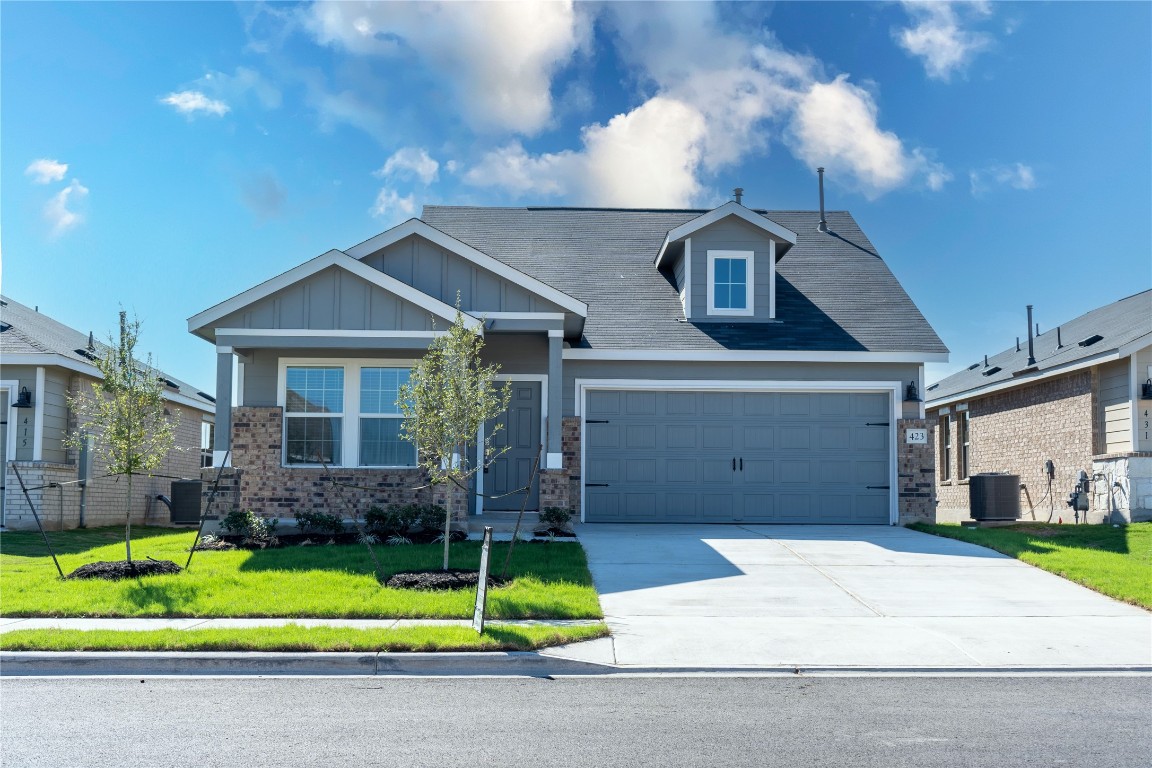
[(749, 258), (350, 434), (893, 388)]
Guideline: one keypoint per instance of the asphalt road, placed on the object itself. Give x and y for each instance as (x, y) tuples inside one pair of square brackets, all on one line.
[(661, 721)]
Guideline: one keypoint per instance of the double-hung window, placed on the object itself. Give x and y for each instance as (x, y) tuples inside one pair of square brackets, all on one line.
[(945, 447), (381, 444), (313, 415), (962, 439), (730, 282)]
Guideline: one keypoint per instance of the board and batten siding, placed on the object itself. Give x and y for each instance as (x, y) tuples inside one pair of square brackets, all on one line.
[(332, 299), (1116, 406), (55, 410), (1143, 408), (439, 273), (732, 234)]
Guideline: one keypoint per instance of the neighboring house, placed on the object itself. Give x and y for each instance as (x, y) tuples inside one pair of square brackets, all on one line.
[(42, 362), (728, 365), (1077, 398)]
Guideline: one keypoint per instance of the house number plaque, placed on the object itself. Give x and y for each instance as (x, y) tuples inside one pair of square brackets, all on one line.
[(916, 436)]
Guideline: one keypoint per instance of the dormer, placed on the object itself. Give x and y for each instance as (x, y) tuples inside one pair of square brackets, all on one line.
[(723, 263)]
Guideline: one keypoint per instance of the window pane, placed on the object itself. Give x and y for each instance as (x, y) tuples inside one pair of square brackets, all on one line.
[(382, 445), (380, 388), (739, 271), (313, 440), (314, 390), (721, 268), (721, 296), (737, 296)]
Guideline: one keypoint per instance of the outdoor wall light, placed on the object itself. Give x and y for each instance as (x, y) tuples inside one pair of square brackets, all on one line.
[(911, 393), (1146, 390), (24, 399)]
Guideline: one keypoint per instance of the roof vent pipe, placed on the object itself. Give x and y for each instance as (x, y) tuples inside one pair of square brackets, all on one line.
[(823, 222), (1059, 342), (985, 361), (1031, 351), (1017, 343), (738, 193)]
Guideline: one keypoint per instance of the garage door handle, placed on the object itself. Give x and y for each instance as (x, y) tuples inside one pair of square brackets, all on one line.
[(878, 487), (595, 485), (877, 424), (733, 463), (595, 421), (741, 463)]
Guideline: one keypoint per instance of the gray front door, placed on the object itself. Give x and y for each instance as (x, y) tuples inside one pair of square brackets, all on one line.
[(520, 433), (3, 451), (755, 457)]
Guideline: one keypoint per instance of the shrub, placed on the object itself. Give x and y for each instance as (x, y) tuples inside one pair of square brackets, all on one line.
[(431, 517), (249, 525), (321, 522), (555, 517), (403, 519)]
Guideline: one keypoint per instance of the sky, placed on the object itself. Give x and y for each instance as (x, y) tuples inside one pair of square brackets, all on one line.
[(163, 157)]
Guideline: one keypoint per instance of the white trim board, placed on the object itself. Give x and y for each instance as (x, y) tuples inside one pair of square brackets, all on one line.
[(13, 387), (582, 386), (730, 208), (753, 356), (462, 249), (38, 408), (328, 334), (749, 259), (332, 258)]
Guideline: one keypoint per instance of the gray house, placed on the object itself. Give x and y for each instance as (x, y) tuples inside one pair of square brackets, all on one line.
[(730, 365)]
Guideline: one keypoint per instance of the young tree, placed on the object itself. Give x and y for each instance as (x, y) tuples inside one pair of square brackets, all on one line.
[(449, 395), (125, 411)]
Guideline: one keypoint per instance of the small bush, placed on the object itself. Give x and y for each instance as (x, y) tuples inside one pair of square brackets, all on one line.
[(249, 525), (555, 517), (321, 522), (431, 517), (403, 520)]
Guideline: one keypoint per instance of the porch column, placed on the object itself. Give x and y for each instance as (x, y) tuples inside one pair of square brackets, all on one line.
[(555, 459), (223, 437)]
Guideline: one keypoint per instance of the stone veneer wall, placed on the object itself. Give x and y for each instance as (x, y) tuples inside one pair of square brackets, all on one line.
[(915, 470), (1124, 490), (1015, 431), (269, 489)]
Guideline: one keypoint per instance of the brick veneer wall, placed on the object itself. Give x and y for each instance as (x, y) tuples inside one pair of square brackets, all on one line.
[(915, 471), (570, 446), (1015, 431), (269, 489)]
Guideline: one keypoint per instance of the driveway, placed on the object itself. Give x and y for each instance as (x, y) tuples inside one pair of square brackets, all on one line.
[(869, 596)]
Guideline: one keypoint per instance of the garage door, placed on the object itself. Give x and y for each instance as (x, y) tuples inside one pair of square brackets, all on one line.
[(714, 457)]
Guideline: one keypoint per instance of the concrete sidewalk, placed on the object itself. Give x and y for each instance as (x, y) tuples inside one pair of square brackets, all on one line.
[(847, 596)]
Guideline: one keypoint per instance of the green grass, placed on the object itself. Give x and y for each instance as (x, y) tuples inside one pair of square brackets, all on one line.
[(305, 639), (1114, 561), (549, 580)]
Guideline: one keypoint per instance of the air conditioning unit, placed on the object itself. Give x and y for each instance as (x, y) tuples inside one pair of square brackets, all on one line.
[(994, 496)]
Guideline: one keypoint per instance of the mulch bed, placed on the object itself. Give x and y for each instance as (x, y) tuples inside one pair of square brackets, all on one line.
[(122, 569), (436, 580), (558, 533), (320, 539)]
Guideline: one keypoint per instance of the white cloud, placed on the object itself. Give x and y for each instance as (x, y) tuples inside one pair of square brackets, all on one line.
[(57, 211), (497, 57), (938, 36), (242, 84), (44, 170), (408, 163), (191, 102), (1013, 175), (390, 205)]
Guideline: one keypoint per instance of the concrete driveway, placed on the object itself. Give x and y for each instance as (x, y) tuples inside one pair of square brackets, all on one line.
[(871, 596)]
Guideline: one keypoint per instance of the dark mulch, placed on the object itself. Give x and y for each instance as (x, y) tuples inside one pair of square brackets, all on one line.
[(558, 533), (216, 545), (122, 569), (440, 580), (305, 539)]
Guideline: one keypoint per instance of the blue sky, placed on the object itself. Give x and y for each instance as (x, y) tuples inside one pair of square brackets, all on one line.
[(166, 156)]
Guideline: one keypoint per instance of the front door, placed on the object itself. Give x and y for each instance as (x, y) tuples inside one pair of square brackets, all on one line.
[(3, 449), (520, 434)]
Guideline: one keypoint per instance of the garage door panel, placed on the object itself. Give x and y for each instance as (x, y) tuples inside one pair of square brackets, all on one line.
[(834, 472), (760, 404), (716, 470), (681, 403), (717, 403), (871, 472), (604, 402), (794, 404), (759, 438), (603, 436), (871, 405), (717, 437), (602, 471), (681, 471), (870, 438), (795, 471), (640, 403), (680, 506), (834, 438), (640, 506), (718, 506), (795, 438), (834, 404), (759, 471), (795, 506), (682, 436), (759, 507), (640, 437), (871, 509), (641, 471)]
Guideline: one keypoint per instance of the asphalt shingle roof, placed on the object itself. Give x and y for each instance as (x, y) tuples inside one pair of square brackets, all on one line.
[(833, 291), (1119, 324), (26, 331)]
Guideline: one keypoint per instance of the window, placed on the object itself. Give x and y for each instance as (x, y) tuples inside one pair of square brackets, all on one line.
[(313, 415), (945, 448), (381, 443), (730, 282), (962, 439), (207, 438)]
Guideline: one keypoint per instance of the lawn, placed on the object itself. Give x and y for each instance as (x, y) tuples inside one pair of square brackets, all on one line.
[(1114, 561), (303, 639), (549, 580)]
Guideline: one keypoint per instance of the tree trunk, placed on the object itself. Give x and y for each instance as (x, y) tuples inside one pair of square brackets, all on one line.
[(128, 521)]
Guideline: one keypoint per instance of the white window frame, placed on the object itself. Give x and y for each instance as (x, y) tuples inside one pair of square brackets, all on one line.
[(350, 432), (749, 258)]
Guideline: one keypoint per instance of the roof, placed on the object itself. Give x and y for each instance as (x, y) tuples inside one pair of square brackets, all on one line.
[(24, 331), (833, 292), (1126, 323)]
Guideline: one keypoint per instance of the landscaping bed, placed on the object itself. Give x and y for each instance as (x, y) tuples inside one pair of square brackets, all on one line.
[(1116, 561)]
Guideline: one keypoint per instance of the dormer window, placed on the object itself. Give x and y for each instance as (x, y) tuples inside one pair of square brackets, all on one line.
[(730, 283)]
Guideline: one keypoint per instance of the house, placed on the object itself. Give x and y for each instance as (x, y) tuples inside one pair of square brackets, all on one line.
[(42, 363), (1078, 395), (725, 365)]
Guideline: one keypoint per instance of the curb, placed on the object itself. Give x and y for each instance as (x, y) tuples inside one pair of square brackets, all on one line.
[(520, 664)]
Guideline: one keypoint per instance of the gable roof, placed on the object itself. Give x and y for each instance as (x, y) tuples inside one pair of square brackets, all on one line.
[(28, 337), (757, 219), (200, 324), (1122, 326), (833, 292), (449, 243)]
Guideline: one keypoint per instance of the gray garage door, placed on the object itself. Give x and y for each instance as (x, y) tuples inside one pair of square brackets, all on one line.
[(714, 457)]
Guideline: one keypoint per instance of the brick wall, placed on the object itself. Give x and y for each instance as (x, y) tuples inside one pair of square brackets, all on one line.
[(570, 445), (915, 470), (555, 489), (269, 489), (1015, 431)]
